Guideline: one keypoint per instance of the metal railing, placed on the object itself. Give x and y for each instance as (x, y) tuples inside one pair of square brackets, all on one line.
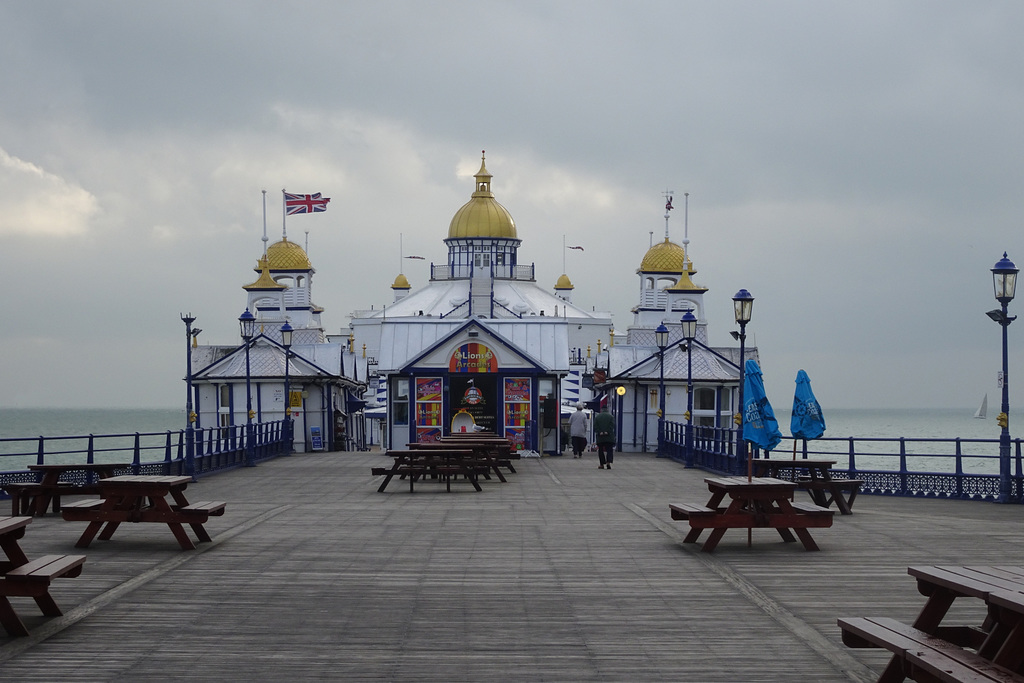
[(966, 469), (216, 449)]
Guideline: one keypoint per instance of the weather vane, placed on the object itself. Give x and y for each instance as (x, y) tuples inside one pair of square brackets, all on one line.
[(668, 207)]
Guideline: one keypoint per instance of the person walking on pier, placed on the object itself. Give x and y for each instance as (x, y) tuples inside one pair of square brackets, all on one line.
[(604, 427), (578, 431)]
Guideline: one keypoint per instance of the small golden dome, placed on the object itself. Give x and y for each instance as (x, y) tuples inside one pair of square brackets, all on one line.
[(685, 284), (264, 281), (482, 216), (401, 282), (564, 282), (285, 255), (665, 257)]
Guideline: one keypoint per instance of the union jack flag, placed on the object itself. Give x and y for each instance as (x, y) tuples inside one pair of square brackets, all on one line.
[(304, 203)]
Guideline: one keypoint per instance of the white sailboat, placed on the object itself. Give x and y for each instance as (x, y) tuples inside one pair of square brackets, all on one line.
[(982, 409)]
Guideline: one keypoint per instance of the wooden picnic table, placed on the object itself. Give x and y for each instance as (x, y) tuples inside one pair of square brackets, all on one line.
[(480, 451), (823, 488), (990, 649), (760, 502), (32, 498), (20, 576), (143, 498), (444, 465)]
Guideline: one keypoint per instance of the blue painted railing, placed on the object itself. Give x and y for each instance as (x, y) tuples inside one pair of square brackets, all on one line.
[(216, 449), (966, 469)]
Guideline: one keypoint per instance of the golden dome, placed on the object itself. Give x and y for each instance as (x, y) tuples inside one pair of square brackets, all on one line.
[(285, 255), (264, 281), (564, 282), (401, 282), (665, 257), (685, 284), (482, 216)]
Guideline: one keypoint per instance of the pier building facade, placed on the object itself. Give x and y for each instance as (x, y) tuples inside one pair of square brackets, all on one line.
[(482, 345), (326, 379), (633, 366)]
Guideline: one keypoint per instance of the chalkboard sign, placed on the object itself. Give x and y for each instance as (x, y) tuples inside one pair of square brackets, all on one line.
[(316, 438)]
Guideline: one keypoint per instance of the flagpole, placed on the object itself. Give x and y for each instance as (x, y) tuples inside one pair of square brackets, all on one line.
[(563, 252), (265, 223), (668, 207), (284, 216), (686, 218)]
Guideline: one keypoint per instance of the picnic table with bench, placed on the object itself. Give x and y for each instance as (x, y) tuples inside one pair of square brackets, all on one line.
[(443, 465), (20, 576), (816, 477), (989, 649), (143, 498), (33, 497), (759, 502), (498, 446), (485, 453)]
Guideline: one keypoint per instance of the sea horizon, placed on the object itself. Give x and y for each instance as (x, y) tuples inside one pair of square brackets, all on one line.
[(944, 423)]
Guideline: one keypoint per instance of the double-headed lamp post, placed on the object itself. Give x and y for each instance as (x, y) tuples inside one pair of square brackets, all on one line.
[(689, 326), (190, 433), (661, 339), (1004, 279), (286, 342), (743, 304), (247, 328)]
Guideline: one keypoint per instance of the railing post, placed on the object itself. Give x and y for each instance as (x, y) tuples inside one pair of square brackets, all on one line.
[(91, 456), (40, 451), (959, 470), (903, 467), (853, 461), (1018, 490), (137, 457)]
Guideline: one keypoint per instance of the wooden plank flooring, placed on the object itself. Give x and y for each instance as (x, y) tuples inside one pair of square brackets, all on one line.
[(565, 573)]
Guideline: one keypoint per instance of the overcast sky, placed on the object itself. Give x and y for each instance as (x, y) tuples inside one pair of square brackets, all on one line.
[(857, 166)]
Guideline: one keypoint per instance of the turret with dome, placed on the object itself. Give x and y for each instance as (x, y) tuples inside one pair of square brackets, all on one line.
[(642, 368), (482, 276), (282, 292)]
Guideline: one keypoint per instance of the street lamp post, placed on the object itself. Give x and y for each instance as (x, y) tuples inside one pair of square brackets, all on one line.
[(190, 416), (1004, 279), (743, 304), (247, 328), (661, 339), (286, 342), (689, 325)]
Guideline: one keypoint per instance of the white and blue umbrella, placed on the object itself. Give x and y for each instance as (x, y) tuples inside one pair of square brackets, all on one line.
[(759, 424), (807, 421)]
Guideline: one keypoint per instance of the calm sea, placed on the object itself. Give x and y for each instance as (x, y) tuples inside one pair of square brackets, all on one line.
[(19, 422)]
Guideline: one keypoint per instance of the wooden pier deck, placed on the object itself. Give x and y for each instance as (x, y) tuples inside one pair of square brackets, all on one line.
[(566, 573)]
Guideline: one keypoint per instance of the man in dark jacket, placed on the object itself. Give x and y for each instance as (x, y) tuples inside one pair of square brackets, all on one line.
[(604, 430)]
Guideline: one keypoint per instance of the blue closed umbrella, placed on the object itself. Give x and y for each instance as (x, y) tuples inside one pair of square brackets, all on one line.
[(759, 424), (807, 421)]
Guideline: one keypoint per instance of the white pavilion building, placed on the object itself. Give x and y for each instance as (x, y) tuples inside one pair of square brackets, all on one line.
[(481, 345)]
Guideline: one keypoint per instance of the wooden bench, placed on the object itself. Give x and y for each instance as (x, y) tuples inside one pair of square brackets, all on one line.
[(688, 511), (812, 509), (24, 494), (923, 657), (33, 580), (204, 508), (70, 510), (824, 491), (701, 517)]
